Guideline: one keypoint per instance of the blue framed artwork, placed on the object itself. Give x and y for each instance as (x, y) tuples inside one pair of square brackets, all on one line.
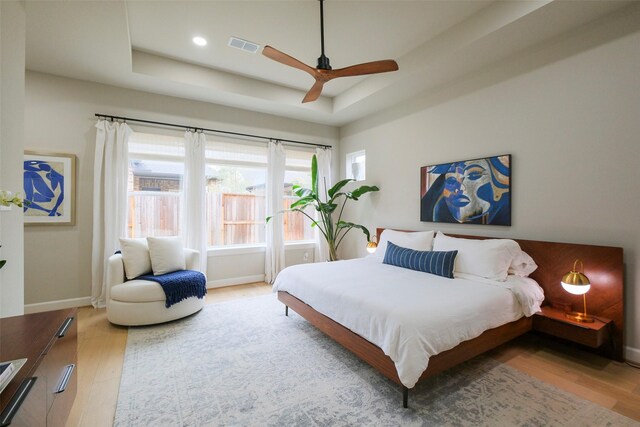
[(476, 191), (49, 188)]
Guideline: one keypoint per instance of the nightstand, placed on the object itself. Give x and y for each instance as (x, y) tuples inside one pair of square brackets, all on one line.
[(553, 322)]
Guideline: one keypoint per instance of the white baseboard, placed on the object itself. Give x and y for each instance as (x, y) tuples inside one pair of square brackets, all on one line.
[(56, 305), (632, 354), (221, 283)]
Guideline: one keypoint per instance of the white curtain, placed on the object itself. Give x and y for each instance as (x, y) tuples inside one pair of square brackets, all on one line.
[(274, 256), (323, 156), (194, 223), (110, 176)]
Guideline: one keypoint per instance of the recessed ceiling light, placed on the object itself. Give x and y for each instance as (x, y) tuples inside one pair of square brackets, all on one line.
[(200, 41)]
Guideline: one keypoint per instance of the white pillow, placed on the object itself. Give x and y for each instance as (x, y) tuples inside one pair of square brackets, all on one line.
[(522, 264), (135, 256), (488, 258), (167, 254), (417, 240)]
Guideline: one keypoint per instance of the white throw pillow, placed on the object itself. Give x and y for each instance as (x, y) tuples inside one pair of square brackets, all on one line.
[(522, 264), (135, 256), (417, 240), (488, 258), (167, 254)]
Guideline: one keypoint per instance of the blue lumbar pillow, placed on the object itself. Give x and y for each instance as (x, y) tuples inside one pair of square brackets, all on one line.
[(434, 262)]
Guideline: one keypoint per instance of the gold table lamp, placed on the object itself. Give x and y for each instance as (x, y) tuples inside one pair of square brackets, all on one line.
[(372, 245), (577, 283)]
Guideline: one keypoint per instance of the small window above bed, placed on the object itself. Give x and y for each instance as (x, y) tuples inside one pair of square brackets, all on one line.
[(356, 165)]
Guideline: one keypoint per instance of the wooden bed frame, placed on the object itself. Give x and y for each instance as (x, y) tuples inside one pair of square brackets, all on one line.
[(603, 265)]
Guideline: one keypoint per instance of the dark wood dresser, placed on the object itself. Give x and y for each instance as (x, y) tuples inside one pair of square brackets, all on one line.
[(43, 391)]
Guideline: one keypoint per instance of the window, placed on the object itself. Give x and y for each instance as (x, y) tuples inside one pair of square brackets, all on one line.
[(154, 190), (356, 165), (236, 182), (236, 175)]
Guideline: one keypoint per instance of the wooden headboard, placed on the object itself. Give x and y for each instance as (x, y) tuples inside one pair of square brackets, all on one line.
[(602, 264)]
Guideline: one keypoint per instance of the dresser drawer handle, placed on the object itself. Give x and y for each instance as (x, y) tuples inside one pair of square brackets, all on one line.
[(64, 327), (16, 401), (68, 370)]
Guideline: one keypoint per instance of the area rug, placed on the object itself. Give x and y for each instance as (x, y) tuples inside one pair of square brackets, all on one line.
[(243, 363)]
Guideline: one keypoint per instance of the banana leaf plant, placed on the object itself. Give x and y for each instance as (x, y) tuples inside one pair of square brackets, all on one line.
[(328, 204)]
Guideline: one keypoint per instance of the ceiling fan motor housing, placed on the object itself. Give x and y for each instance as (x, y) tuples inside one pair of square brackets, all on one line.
[(323, 63)]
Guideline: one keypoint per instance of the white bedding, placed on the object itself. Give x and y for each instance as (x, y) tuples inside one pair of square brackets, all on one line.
[(410, 315)]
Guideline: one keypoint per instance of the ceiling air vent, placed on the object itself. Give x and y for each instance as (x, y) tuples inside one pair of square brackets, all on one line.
[(243, 44)]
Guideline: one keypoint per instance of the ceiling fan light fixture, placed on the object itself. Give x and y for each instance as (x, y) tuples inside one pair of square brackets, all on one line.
[(199, 41)]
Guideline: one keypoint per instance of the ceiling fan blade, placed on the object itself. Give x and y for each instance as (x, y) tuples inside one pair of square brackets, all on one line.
[(366, 68), (314, 92), (285, 59)]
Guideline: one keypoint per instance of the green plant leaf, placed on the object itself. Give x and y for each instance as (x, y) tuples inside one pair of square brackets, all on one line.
[(303, 202), (268, 219), (326, 207), (2, 263), (333, 190), (345, 224), (302, 192), (358, 192), (337, 196)]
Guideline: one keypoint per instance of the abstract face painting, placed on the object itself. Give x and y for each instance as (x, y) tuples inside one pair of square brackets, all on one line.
[(474, 191)]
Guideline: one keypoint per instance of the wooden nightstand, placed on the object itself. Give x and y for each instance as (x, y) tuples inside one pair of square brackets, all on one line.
[(553, 322)]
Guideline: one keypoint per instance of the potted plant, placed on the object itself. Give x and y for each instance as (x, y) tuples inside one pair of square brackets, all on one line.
[(327, 203)]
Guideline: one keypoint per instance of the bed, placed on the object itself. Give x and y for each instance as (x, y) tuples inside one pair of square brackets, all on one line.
[(408, 324)]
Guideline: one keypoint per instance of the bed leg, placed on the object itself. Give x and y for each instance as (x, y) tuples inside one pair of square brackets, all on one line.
[(286, 310), (405, 397)]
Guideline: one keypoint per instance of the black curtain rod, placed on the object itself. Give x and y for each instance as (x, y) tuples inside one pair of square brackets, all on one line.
[(129, 119)]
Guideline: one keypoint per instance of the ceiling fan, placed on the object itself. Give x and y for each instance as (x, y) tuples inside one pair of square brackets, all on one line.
[(323, 72)]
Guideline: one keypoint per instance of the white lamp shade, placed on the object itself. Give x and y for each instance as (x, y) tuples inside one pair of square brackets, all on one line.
[(371, 247), (576, 289), (575, 282)]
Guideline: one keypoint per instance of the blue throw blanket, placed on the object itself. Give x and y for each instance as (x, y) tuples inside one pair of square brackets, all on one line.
[(180, 285)]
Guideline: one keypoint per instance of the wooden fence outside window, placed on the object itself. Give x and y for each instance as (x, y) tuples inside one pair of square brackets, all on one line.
[(232, 219)]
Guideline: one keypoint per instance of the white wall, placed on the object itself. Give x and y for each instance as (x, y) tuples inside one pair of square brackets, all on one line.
[(12, 49), (245, 265), (60, 117), (569, 113)]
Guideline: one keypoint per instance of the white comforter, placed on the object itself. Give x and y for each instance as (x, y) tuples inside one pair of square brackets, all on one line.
[(410, 315)]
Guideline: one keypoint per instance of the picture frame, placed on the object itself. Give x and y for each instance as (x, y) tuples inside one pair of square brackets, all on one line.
[(49, 188), (475, 191)]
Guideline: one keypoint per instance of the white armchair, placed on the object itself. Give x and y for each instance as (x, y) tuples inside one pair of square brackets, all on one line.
[(142, 302)]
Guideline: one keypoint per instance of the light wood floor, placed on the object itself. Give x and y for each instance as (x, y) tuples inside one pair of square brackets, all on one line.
[(101, 353)]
